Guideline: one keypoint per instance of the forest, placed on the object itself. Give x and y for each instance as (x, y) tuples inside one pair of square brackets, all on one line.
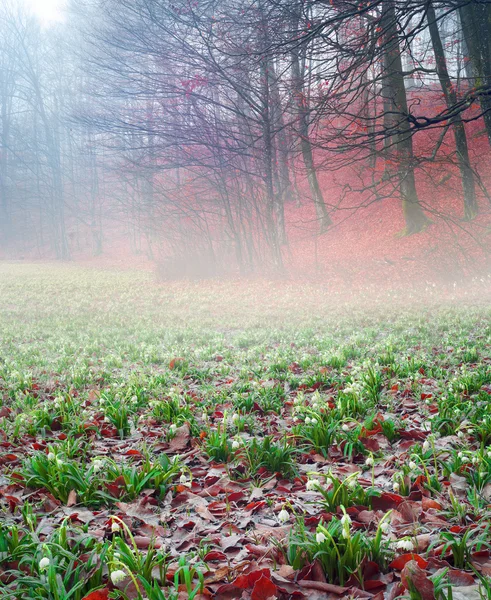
[(237, 137)]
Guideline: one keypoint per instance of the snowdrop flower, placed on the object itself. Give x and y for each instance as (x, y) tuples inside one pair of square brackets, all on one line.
[(283, 516), (235, 418), (315, 406), (475, 460), (97, 465), (311, 485), (385, 527), (235, 445), (115, 527), (313, 421), (345, 533), (395, 486), (405, 545), (44, 563), (118, 576), (369, 461), (345, 520), (426, 446), (204, 417), (489, 453), (51, 456), (412, 465), (345, 427), (172, 428), (183, 479), (460, 435), (460, 455), (59, 463), (320, 537)]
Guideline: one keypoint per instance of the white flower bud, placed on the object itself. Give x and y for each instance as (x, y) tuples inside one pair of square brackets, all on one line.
[(320, 537), (118, 576), (44, 563), (283, 516)]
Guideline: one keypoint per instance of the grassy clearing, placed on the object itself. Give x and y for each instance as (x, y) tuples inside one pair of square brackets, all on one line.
[(188, 440)]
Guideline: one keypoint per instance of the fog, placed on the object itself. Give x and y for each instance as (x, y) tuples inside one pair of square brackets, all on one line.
[(344, 142)]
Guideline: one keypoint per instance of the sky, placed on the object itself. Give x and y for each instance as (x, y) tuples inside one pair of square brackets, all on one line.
[(49, 11)]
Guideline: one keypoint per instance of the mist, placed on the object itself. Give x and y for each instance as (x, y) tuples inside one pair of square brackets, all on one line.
[(336, 141), (245, 315)]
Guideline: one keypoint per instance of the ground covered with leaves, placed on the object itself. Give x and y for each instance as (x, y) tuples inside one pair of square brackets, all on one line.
[(232, 440)]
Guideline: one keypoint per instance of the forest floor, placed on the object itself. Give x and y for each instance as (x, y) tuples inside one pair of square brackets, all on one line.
[(246, 440)]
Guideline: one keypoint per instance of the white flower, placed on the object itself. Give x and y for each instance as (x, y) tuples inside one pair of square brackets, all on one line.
[(59, 463), (115, 527), (235, 418), (235, 445), (307, 420), (385, 527), (396, 487), (345, 520), (172, 428), (118, 576), (489, 453), (475, 460), (313, 421), (460, 434), (345, 533), (311, 485), (97, 465), (51, 456), (44, 563), (283, 516), (204, 417), (369, 461), (320, 537), (460, 455), (345, 427), (405, 545), (183, 479), (426, 446), (412, 465)]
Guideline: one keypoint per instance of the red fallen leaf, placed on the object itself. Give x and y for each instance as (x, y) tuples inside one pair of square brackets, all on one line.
[(426, 396), (133, 452), (416, 580), (175, 361), (102, 594), (181, 439), (255, 506), (143, 542), (116, 488), (460, 578), (234, 496), (5, 411), (263, 589), (8, 458), (246, 582), (215, 555), (386, 501), (429, 503), (401, 561)]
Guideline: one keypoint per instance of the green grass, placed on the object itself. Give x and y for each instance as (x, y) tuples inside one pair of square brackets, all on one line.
[(121, 394)]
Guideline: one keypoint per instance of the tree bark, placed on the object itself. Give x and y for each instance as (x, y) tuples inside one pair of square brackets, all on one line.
[(415, 218), (466, 173)]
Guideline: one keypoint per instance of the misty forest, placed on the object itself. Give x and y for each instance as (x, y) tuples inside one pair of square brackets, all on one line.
[(245, 318)]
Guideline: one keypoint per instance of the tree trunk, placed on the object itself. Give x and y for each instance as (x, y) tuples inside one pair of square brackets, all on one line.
[(476, 28), (415, 218), (467, 175), (303, 129)]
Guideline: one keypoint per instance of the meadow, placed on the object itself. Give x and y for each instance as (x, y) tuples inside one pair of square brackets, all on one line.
[(241, 439)]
